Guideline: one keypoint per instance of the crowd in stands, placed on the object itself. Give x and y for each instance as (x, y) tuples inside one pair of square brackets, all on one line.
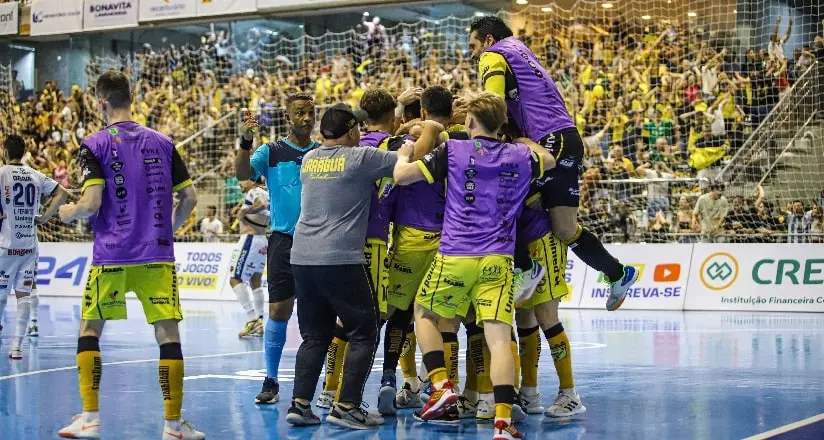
[(661, 103)]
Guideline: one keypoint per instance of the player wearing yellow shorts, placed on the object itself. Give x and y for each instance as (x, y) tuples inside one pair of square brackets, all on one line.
[(130, 176), (488, 184)]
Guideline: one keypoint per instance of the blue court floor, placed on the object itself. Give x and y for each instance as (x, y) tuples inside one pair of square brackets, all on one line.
[(643, 375)]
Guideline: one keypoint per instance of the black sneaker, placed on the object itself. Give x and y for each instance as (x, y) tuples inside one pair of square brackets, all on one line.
[(450, 417), (299, 415), (355, 418), (270, 393)]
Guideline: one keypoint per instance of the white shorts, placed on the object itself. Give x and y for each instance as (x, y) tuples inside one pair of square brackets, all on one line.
[(249, 257), (17, 270)]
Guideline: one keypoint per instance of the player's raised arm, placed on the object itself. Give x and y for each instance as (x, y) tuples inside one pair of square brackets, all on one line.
[(243, 163)]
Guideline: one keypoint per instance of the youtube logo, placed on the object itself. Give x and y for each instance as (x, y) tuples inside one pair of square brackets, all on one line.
[(667, 273)]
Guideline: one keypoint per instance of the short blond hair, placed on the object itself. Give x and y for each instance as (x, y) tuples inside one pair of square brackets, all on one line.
[(489, 109)]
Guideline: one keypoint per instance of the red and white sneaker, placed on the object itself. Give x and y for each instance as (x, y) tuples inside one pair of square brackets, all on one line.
[(186, 432), (506, 431), (16, 353), (439, 402), (80, 428)]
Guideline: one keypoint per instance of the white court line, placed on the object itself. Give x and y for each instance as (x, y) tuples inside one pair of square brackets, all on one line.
[(138, 361), (786, 428)]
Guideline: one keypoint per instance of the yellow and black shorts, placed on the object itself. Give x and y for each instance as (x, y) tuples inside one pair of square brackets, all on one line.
[(155, 285), (413, 251), (454, 283), (551, 253), (377, 261)]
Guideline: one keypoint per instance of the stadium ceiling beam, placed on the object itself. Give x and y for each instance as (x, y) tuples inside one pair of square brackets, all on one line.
[(351, 6)]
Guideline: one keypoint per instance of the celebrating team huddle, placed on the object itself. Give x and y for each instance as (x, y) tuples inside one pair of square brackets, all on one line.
[(445, 212)]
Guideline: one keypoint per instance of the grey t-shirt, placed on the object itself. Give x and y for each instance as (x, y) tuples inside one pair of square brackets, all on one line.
[(337, 189)]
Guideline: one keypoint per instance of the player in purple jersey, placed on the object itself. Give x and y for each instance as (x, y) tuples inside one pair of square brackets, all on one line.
[(507, 68), (488, 185), (130, 175)]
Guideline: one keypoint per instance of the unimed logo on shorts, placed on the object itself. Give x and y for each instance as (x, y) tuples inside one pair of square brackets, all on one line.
[(719, 271)]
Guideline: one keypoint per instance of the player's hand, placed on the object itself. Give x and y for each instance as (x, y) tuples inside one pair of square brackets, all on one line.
[(66, 212), (407, 150), (250, 126), (411, 95)]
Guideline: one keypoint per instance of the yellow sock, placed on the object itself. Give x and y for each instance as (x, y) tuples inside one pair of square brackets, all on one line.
[(529, 341), (503, 411), (559, 347), (334, 363), (170, 376), (438, 375), (342, 366), (484, 379), (513, 346), (409, 366), (450, 356), (89, 371)]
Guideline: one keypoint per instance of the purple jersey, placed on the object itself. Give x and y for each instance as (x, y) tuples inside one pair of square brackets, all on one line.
[(533, 99), (140, 169), (533, 224), (488, 182), (420, 205), (380, 211)]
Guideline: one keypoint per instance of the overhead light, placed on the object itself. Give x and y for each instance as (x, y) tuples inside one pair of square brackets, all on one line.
[(300, 26), (479, 14), (546, 9), (646, 17), (522, 2), (735, 11), (466, 29), (607, 5), (691, 14), (366, 14)]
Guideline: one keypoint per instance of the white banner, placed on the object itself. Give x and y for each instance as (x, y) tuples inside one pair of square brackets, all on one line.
[(202, 269), (9, 18), (224, 7), (109, 14), (662, 280), (262, 4), (50, 17), (152, 10), (575, 273), (763, 277)]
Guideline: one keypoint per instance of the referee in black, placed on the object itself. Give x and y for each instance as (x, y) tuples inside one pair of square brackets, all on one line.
[(331, 279)]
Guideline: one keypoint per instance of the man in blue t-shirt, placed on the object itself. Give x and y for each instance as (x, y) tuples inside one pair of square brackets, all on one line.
[(279, 162)]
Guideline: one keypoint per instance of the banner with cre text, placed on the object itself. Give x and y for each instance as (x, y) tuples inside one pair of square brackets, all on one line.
[(49, 17), (9, 18), (154, 10), (109, 14), (760, 277), (224, 7)]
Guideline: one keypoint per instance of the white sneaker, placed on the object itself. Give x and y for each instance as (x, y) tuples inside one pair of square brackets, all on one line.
[(529, 282), (566, 404), (406, 398), (518, 414), (485, 408), (618, 289), (187, 432), (467, 409), (81, 429), (531, 402), (16, 353), (33, 330), (326, 399)]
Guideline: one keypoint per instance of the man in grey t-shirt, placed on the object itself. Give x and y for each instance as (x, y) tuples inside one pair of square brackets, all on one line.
[(327, 259)]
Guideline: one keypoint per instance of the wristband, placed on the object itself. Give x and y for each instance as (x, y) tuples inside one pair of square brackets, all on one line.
[(245, 144)]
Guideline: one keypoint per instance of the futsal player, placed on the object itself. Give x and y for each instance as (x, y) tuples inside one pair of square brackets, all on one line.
[(279, 162), (249, 258), (23, 187), (488, 183), (508, 67), (379, 106), (130, 176)]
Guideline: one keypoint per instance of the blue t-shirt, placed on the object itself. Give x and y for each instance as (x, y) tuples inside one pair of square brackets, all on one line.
[(279, 162)]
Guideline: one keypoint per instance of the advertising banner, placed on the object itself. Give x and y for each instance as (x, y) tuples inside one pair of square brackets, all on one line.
[(224, 7), (49, 17), (62, 268), (9, 18), (662, 281), (109, 14), (269, 4), (153, 10), (761, 277)]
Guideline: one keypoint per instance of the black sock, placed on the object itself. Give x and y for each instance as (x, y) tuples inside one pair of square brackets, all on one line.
[(394, 337), (590, 250), (523, 260)]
